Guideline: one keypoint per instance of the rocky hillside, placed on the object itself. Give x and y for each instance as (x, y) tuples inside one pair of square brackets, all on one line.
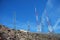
[(11, 34)]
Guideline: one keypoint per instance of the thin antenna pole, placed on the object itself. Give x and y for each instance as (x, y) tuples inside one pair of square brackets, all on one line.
[(36, 15), (28, 27), (38, 28), (49, 25), (14, 23), (28, 30), (40, 24)]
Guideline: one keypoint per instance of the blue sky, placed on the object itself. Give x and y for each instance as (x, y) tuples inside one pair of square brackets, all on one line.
[(25, 13)]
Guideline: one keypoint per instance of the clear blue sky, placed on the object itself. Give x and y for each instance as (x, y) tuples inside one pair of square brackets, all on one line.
[(25, 12)]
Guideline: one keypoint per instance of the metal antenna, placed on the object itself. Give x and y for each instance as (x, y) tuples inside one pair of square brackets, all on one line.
[(49, 25), (41, 25), (28, 27), (28, 30), (14, 23), (38, 26)]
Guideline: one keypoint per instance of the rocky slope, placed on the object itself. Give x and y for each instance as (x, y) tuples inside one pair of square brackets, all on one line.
[(11, 34)]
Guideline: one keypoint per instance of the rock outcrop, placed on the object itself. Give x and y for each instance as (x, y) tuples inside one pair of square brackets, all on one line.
[(12, 34)]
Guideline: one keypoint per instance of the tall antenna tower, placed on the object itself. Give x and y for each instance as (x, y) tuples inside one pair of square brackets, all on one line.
[(38, 26), (28, 30), (14, 23), (49, 25), (41, 25), (28, 27)]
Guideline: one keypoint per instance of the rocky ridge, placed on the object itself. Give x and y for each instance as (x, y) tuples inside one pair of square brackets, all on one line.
[(12, 34)]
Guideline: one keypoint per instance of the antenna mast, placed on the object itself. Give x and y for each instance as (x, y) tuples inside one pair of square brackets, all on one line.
[(49, 25), (14, 23), (28, 30), (38, 26)]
